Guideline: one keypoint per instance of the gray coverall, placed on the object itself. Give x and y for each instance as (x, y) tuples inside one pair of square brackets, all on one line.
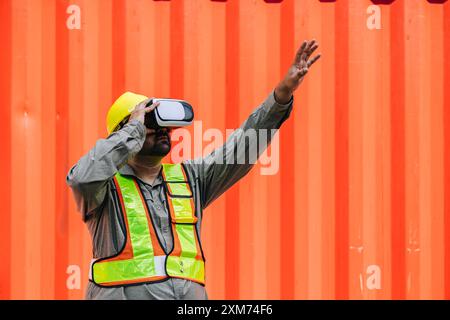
[(91, 182)]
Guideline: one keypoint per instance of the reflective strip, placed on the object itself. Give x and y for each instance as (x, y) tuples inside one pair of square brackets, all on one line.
[(182, 262), (160, 265), (176, 180), (173, 172), (182, 210), (187, 268), (186, 265), (159, 262), (179, 189), (186, 235)]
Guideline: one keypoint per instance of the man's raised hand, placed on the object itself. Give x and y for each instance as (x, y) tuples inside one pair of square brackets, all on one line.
[(141, 109), (297, 71), (301, 64)]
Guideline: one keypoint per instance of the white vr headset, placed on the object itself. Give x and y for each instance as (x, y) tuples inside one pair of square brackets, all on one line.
[(170, 113)]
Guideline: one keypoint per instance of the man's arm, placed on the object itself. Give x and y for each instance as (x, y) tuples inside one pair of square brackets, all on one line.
[(226, 165), (89, 177), (216, 173)]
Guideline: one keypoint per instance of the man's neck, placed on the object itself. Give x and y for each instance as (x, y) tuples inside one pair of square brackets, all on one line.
[(146, 168)]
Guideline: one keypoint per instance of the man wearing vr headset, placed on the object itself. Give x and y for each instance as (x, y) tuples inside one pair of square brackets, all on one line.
[(144, 217)]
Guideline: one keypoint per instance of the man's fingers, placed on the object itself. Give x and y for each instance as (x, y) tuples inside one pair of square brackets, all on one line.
[(151, 107), (141, 105), (307, 49), (311, 62), (300, 52), (311, 51), (311, 44), (302, 48), (304, 70)]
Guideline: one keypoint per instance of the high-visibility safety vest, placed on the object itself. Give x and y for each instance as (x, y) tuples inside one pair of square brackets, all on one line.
[(142, 258)]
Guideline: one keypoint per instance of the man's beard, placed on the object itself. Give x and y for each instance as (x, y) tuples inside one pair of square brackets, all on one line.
[(159, 148)]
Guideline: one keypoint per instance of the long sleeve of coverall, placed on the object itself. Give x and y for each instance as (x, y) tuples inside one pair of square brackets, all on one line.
[(222, 168), (90, 176)]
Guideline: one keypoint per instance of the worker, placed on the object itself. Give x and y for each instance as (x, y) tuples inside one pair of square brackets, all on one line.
[(145, 217)]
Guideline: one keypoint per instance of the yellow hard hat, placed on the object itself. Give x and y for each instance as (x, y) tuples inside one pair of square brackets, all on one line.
[(121, 109)]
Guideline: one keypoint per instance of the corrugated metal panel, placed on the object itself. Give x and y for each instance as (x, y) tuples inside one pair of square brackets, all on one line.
[(364, 179)]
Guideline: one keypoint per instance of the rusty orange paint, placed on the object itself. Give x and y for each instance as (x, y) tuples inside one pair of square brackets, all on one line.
[(5, 133), (341, 136), (446, 121), (364, 174)]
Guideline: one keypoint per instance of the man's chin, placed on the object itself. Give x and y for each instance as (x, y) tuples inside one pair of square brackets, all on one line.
[(163, 147)]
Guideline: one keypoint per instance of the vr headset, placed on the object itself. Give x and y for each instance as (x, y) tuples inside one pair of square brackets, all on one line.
[(170, 113)]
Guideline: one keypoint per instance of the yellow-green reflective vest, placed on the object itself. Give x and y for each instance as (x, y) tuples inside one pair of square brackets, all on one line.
[(142, 258)]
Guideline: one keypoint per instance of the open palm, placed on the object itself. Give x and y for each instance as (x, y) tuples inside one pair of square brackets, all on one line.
[(301, 64)]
